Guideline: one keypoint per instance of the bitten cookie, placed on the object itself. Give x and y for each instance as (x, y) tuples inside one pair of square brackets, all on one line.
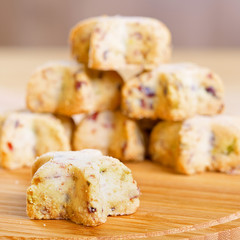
[(198, 144), (112, 133), (83, 186), (69, 88), (124, 44), (23, 136), (173, 92)]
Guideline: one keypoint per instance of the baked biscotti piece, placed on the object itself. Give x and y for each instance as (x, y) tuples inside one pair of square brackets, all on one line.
[(112, 133), (23, 136), (173, 92), (198, 144), (124, 44), (67, 88), (83, 186)]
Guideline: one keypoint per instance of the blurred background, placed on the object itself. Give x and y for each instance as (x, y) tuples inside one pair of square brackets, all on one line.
[(33, 32), (193, 23)]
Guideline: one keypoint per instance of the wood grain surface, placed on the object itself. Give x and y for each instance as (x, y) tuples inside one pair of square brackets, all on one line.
[(170, 204), (173, 206)]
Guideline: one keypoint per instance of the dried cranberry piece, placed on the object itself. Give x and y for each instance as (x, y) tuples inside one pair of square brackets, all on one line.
[(78, 84), (10, 146), (93, 116), (133, 197), (143, 103), (210, 75), (108, 125), (211, 91)]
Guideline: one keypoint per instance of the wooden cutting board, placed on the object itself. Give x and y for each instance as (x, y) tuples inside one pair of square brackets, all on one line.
[(173, 206)]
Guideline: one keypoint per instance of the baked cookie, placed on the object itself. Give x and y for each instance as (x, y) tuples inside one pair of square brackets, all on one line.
[(124, 44), (23, 136), (67, 88), (173, 92), (112, 133), (198, 144), (83, 186)]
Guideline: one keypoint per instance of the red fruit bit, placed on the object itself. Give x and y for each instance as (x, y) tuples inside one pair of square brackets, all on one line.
[(93, 116), (136, 196), (108, 125), (211, 91), (210, 76), (97, 30), (147, 91), (93, 131), (79, 84), (10, 146), (143, 103), (151, 105)]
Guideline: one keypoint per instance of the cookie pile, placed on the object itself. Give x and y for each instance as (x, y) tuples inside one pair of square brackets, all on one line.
[(123, 83)]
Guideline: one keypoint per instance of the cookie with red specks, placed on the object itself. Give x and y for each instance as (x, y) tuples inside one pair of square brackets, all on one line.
[(127, 45), (173, 92), (23, 136), (198, 144), (67, 88), (112, 133), (82, 186)]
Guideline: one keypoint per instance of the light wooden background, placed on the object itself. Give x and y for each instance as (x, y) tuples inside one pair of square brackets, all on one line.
[(194, 23)]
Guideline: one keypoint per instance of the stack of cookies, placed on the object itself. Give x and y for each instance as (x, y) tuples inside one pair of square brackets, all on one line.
[(123, 83)]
